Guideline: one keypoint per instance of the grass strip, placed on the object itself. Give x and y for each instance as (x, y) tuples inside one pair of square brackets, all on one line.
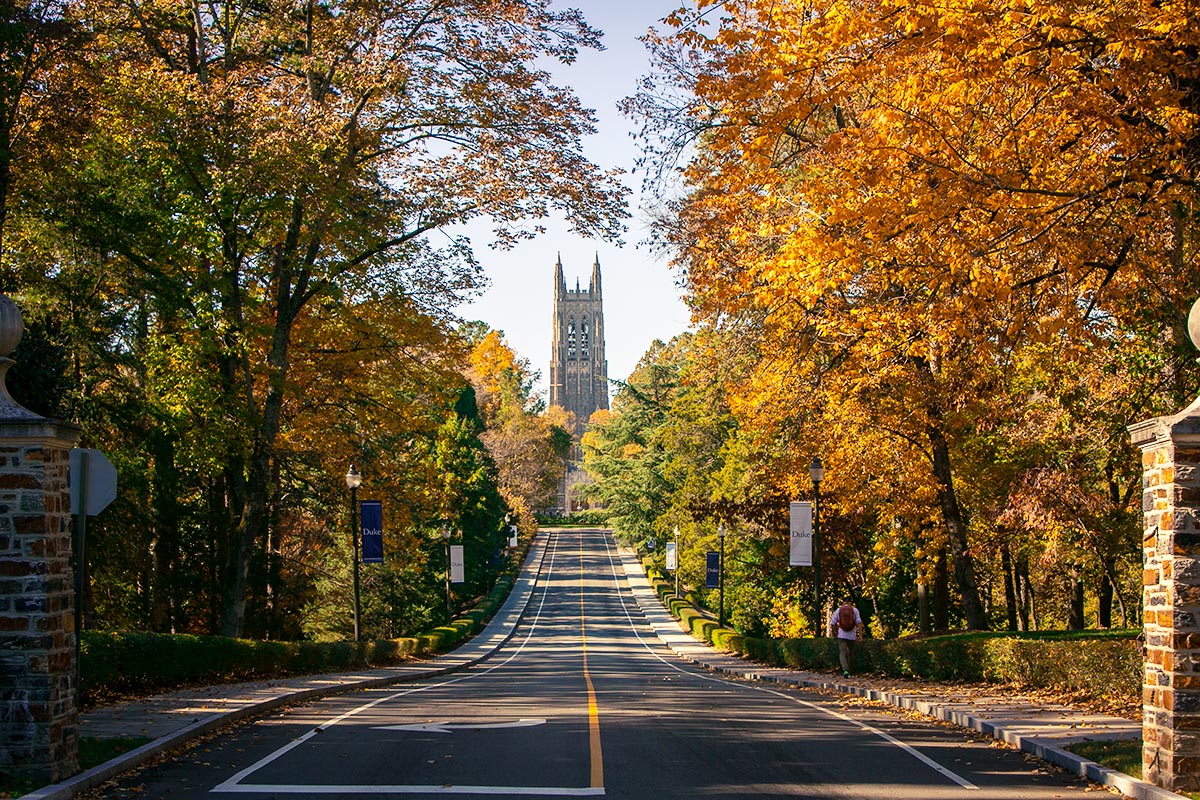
[(92, 753)]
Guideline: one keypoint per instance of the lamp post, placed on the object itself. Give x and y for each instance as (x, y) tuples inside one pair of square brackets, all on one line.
[(676, 560), (446, 541), (816, 471), (353, 481), (721, 577)]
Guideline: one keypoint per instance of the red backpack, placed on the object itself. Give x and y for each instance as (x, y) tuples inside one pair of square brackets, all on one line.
[(845, 617)]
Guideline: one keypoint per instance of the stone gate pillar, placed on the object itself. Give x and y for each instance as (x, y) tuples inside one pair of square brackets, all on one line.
[(1171, 592), (1171, 599), (38, 713)]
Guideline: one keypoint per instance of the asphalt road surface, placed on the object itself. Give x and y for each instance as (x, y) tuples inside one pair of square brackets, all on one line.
[(585, 701)]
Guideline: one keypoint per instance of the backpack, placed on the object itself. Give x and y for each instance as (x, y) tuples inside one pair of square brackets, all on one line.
[(845, 617)]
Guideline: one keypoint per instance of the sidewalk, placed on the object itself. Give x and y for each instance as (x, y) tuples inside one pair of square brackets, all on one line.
[(1040, 729), (173, 718)]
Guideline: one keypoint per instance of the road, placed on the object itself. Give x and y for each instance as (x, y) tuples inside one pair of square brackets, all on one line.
[(584, 701)]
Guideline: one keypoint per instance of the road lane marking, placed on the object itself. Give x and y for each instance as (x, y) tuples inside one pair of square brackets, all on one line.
[(304, 788), (912, 751), (234, 784), (450, 727), (597, 760)]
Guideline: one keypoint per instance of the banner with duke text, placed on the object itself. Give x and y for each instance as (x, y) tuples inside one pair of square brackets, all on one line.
[(801, 550), (370, 516), (671, 563), (712, 570), (456, 564)]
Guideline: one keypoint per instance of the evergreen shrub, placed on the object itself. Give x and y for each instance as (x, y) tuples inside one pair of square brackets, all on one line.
[(125, 663), (588, 517), (1099, 664)]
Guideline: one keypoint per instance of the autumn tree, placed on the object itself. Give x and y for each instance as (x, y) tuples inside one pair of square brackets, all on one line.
[(296, 158), (529, 446), (899, 203)]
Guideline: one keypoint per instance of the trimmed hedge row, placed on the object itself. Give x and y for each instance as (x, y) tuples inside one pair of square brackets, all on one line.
[(1099, 665), (589, 517), (136, 663)]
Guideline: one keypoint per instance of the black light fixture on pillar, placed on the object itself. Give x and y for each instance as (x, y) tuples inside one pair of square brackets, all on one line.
[(353, 481), (816, 471)]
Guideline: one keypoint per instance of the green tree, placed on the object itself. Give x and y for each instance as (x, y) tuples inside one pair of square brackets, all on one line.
[(291, 162)]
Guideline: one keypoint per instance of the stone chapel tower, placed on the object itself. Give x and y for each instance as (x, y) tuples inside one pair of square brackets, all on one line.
[(578, 369)]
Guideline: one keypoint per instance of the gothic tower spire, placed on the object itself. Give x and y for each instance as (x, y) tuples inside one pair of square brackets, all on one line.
[(578, 368)]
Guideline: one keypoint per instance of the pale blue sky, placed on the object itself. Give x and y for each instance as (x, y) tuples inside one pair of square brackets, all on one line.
[(641, 302)]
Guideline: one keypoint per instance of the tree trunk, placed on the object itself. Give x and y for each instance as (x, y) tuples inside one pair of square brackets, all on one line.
[(923, 623), (237, 558), (1028, 615), (1105, 596), (166, 515), (274, 546), (941, 593), (1075, 620), (1010, 587), (956, 528), (217, 522), (291, 287)]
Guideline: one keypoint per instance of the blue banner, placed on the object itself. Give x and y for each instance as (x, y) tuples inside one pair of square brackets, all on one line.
[(370, 516), (712, 570)]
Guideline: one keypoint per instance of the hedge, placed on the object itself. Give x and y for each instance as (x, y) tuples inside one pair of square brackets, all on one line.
[(1099, 664), (137, 662), (588, 517)]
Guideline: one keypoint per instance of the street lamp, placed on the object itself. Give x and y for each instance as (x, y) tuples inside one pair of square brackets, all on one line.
[(353, 481), (676, 560), (721, 577), (816, 471), (446, 540)]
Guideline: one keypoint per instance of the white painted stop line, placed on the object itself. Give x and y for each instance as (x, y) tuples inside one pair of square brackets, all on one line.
[(448, 727)]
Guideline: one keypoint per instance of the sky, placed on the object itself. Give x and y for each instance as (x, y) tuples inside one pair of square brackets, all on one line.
[(641, 301)]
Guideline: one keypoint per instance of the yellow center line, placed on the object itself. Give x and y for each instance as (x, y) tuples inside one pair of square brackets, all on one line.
[(593, 707)]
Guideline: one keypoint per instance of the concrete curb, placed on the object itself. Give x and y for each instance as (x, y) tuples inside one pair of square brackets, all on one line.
[(1072, 763), (497, 632)]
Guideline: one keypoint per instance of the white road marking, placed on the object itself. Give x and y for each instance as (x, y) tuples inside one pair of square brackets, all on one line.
[(235, 785), (450, 727), (912, 751), (304, 788)]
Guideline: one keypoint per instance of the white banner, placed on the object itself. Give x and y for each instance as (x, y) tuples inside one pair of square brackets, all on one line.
[(800, 552), (456, 564), (671, 556)]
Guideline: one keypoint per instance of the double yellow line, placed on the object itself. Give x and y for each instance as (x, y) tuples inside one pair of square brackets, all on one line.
[(597, 781)]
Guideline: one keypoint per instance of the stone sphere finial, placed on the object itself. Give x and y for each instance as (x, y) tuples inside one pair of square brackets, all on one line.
[(1194, 324), (12, 326)]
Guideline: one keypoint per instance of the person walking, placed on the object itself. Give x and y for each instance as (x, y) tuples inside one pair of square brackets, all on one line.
[(846, 625)]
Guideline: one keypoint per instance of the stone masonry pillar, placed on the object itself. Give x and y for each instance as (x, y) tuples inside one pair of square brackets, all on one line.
[(38, 713), (1171, 592), (1171, 599)]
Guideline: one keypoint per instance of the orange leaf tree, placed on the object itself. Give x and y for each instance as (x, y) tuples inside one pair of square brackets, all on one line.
[(896, 201)]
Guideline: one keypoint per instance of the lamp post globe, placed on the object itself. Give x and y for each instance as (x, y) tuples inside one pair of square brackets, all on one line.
[(353, 481)]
